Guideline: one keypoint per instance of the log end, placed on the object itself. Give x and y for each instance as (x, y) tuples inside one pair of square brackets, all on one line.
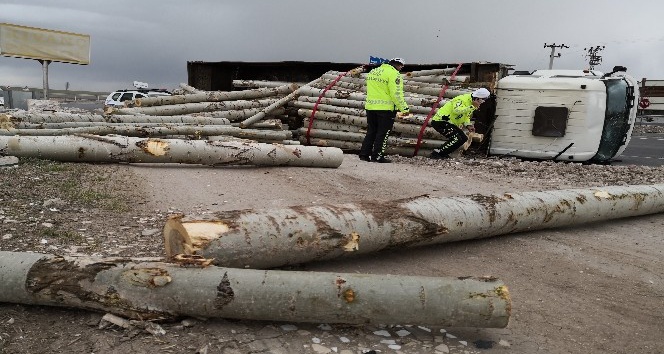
[(190, 237)]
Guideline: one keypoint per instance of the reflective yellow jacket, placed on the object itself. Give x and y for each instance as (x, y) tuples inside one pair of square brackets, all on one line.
[(459, 110), (385, 90)]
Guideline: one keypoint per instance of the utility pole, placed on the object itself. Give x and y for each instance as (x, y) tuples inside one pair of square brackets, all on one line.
[(593, 57), (553, 47)]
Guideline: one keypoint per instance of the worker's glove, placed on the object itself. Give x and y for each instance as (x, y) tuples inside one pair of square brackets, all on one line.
[(471, 128), (404, 115)]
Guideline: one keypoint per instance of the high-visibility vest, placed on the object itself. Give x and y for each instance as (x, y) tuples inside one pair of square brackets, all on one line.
[(458, 110), (385, 90)]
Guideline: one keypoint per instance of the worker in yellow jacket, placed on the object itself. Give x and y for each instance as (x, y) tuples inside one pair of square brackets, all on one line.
[(453, 115), (384, 99)]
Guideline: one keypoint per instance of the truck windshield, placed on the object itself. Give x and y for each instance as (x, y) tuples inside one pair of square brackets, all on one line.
[(616, 121)]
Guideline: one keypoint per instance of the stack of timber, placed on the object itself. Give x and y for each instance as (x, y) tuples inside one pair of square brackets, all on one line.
[(195, 127), (340, 118)]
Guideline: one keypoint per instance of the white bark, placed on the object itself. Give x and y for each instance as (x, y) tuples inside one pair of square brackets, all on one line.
[(152, 290), (276, 237), (136, 150), (214, 96)]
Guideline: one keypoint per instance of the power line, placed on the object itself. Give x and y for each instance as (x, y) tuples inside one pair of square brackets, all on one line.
[(553, 47)]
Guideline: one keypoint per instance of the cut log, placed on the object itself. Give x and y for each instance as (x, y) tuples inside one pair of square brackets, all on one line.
[(125, 149), (213, 96), (280, 103), (152, 290), (188, 108), (153, 131), (56, 117), (359, 137), (400, 128), (189, 89), (237, 115), (255, 84), (277, 237)]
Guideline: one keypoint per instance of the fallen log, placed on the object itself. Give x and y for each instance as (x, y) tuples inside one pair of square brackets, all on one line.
[(135, 130), (152, 290), (255, 84), (280, 103), (92, 148), (399, 128), (276, 237), (212, 96), (237, 115), (188, 108), (359, 137), (55, 117), (189, 89), (123, 125)]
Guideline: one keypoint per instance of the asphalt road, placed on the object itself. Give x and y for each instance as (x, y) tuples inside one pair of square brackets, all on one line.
[(643, 149)]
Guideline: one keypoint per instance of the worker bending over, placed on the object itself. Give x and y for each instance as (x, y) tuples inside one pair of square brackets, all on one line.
[(455, 114)]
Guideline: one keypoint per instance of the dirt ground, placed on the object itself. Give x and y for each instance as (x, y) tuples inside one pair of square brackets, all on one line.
[(596, 288)]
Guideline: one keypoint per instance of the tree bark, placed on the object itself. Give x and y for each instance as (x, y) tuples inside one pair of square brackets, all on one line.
[(152, 290), (280, 103), (189, 89), (188, 108), (137, 130), (359, 137), (56, 117), (401, 128), (136, 150), (276, 237), (213, 96)]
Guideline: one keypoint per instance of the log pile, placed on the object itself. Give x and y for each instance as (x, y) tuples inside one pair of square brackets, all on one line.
[(192, 127), (340, 118)]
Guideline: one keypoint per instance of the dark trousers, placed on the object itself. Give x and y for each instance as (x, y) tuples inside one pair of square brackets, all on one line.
[(455, 136), (379, 125)]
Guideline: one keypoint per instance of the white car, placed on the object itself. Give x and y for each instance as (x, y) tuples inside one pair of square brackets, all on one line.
[(117, 98)]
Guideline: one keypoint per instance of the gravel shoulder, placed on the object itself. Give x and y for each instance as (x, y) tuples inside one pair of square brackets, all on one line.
[(596, 288)]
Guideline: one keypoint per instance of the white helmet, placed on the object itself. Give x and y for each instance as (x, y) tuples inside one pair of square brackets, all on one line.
[(481, 93), (398, 60)]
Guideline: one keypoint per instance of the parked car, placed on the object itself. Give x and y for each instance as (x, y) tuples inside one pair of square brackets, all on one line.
[(117, 98)]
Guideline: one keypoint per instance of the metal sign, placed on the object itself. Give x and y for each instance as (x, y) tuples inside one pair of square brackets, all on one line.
[(43, 44)]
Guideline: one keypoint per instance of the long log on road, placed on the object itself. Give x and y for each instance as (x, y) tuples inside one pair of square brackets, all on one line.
[(95, 148), (152, 290), (277, 237)]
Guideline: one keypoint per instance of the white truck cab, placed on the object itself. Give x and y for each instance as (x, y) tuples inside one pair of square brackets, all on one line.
[(570, 115)]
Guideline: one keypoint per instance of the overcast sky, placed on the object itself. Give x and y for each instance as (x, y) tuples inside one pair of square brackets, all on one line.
[(151, 41)]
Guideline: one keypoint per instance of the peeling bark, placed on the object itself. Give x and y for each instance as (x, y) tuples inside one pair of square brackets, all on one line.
[(277, 237), (92, 148), (152, 290)]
